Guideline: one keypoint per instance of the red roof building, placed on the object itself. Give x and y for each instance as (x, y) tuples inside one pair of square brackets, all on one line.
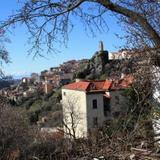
[(100, 85), (93, 103)]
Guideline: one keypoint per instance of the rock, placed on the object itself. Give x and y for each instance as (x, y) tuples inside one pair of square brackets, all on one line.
[(95, 66)]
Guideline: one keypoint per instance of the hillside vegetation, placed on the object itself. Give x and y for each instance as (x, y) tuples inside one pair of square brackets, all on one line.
[(40, 105)]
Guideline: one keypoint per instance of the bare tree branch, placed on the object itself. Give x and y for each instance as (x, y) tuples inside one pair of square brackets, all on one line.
[(50, 22)]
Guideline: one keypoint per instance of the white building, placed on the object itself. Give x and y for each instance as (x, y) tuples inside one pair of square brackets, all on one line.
[(120, 55), (156, 97), (155, 82), (88, 104)]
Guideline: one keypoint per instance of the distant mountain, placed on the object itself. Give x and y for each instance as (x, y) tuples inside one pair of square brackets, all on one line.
[(20, 76)]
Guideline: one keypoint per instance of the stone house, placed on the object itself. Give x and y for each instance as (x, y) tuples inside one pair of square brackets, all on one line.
[(88, 104)]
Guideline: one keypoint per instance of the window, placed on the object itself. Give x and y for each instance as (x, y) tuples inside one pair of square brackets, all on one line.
[(95, 121), (106, 107), (117, 99), (94, 104)]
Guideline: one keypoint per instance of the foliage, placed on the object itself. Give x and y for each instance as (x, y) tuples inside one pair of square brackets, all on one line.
[(14, 131), (39, 104)]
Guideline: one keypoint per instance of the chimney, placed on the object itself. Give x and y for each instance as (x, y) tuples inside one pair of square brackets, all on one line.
[(79, 80)]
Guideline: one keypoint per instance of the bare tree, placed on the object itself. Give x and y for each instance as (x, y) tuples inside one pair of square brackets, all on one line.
[(72, 117), (50, 21)]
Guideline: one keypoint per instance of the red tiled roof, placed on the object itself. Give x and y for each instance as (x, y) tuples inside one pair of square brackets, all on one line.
[(89, 85), (123, 83), (107, 84), (101, 85), (97, 85), (77, 86)]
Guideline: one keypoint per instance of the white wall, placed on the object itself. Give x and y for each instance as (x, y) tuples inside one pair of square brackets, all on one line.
[(75, 101), (156, 97), (156, 83)]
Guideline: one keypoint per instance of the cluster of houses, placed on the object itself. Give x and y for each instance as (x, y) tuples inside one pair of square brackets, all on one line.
[(56, 77), (86, 104), (25, 88), (46, 82)]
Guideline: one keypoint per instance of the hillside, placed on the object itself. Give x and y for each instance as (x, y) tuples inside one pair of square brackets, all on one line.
[(41, 105)]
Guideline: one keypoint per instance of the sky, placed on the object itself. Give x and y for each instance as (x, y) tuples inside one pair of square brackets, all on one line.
[(80, 45)]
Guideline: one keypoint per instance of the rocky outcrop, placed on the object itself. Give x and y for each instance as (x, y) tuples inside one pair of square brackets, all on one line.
[(100, 67), (95, 66)]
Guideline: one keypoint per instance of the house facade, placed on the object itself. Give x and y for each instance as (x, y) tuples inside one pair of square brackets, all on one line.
[(88, 104)]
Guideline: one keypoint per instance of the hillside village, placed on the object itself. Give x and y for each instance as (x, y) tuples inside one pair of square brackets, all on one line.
[(41, 94), (101, 107), (56, 77), (79, 97), (93, 87), (47, 81)]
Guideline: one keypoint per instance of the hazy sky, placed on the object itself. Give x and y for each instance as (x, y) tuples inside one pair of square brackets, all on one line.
[(80, 45)]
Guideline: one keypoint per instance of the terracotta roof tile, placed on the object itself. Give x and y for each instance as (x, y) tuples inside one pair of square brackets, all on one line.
[(107, 84), (89, 85), (101, 85), (77, 86)]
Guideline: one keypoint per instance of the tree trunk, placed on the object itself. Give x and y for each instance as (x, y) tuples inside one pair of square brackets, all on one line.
[(136, 17)]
